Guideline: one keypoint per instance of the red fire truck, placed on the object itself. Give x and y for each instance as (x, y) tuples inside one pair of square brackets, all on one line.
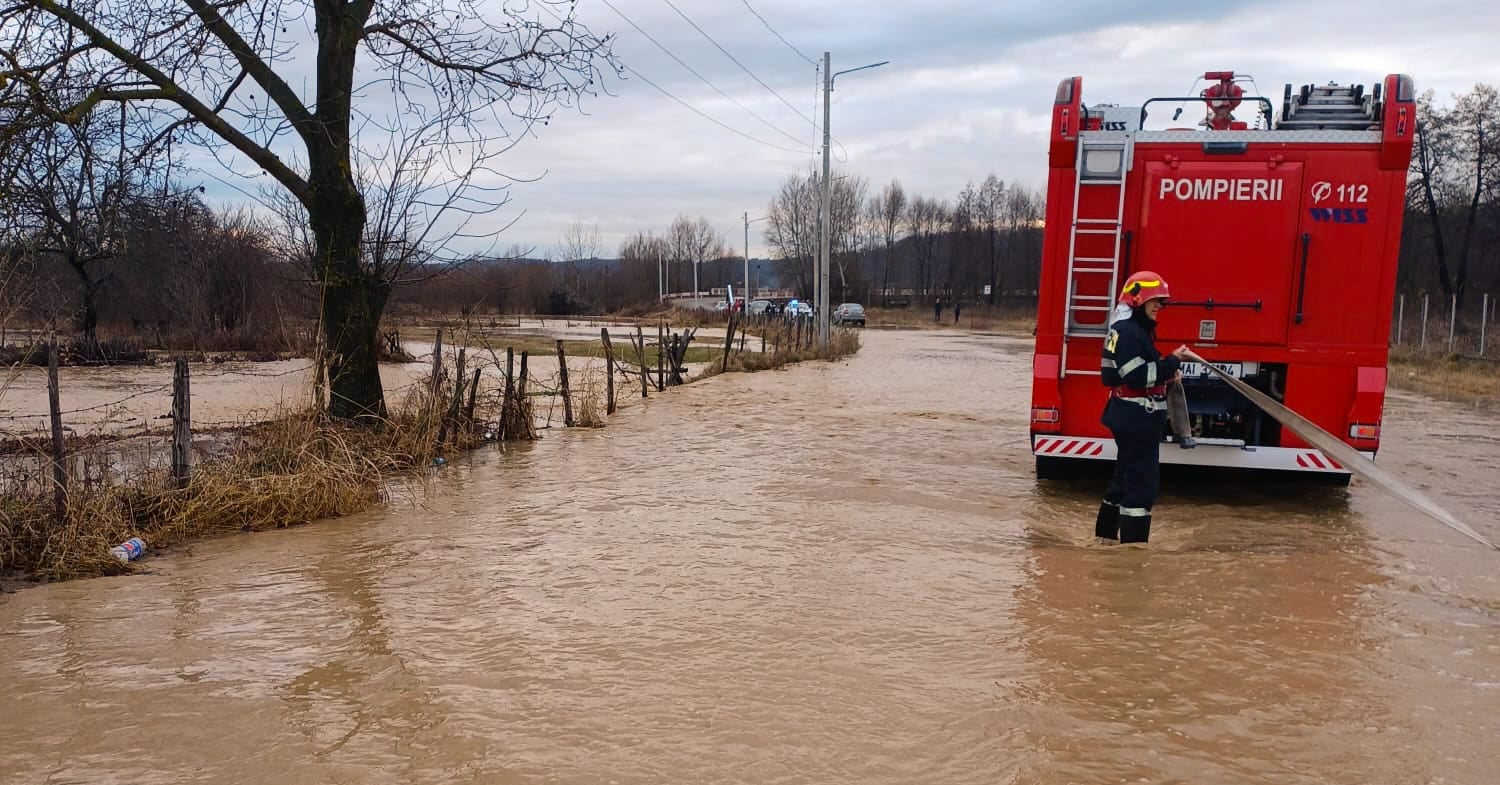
[(1279, 236)]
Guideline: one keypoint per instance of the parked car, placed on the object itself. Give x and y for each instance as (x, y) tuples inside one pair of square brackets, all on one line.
[(849, 313), (798, 308)]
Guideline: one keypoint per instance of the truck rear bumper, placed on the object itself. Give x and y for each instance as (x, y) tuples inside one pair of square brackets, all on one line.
[(1291, 459)]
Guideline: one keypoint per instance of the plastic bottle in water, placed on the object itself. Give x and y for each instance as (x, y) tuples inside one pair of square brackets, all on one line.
[(129, 549)]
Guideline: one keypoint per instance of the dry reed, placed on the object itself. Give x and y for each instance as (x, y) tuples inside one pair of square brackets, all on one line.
[(291, 470)]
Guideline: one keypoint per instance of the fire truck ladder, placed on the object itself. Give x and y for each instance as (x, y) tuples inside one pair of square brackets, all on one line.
[(1329, 108), (1094, 243)]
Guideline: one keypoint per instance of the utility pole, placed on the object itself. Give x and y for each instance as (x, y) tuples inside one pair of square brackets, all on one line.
[(747, 262), (825, 222), (661, 282), (824, 326)]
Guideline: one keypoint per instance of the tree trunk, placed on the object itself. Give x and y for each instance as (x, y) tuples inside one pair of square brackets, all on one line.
[(88, 318), (352, 302), (1461, 277), (353, 296), (1432, 214)]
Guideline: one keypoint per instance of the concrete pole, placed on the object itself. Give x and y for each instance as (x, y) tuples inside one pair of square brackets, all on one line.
[(747, 263), (1484, 323), (824, 329), (1425, 298), (661, 281), (1400, 317), (1452, 320)]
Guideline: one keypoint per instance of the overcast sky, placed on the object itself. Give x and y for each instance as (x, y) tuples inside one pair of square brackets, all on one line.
[(967, 92)]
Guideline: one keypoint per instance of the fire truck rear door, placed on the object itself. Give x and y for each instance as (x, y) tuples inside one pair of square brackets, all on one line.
[(1223, 234)]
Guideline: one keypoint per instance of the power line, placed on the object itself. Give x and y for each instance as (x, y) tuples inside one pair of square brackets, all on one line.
[(695, 110), (763, 21), (742, 66), (701, 77)]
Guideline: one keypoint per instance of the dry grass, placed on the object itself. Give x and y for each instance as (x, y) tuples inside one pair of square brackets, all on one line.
[(1447, 376), (292, 470), (783, 347), (589, 393), (1017, 320)]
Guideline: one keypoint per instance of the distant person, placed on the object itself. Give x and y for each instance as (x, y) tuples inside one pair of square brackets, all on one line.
[(957, 306), (937, 311), (1136, 410)]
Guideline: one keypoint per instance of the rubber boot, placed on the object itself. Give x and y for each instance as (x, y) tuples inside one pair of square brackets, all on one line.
[(1135, 528), (1107, 524)]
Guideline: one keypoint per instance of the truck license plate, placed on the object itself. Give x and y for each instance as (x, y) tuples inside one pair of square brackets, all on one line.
[(1192, 369)]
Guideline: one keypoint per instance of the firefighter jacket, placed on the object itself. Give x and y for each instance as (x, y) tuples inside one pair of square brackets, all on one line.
[(1137, 375)]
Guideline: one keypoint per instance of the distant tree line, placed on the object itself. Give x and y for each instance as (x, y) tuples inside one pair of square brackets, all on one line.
[(95, 235)]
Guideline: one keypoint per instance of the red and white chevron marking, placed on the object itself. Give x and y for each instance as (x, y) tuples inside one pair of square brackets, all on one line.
[(1086, 448), (1317, 460)]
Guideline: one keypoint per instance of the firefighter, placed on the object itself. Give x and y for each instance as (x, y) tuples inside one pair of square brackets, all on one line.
[(1136, 412)]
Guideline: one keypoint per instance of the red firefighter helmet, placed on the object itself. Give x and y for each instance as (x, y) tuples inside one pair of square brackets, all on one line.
[(1144, 285)]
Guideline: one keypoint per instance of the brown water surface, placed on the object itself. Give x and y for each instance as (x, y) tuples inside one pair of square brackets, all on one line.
[(838, 573)]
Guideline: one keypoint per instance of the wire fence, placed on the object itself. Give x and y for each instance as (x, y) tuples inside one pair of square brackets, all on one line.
[(1447, 326)]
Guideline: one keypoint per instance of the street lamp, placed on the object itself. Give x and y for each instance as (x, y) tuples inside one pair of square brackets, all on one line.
[(825, 328), (748, 221)]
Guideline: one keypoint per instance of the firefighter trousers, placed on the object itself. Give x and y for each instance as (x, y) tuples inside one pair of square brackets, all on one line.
[(1125, 514)]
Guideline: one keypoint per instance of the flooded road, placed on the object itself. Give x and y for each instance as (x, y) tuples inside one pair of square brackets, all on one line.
[(838, 573)]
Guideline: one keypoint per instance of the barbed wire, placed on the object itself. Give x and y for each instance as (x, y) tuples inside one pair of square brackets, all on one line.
[(14, 417)]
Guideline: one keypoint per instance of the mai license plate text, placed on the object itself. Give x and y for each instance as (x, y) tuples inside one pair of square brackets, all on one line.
[(1192, 369)]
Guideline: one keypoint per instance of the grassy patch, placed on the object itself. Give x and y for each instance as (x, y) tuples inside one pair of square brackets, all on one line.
[(1018, 320), (538, 344), (1447, 376), (783, 350)]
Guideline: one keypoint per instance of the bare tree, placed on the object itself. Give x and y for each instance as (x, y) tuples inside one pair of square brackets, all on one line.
[(226, 69), (847, 204), (1477, 116), (68, 187), (1455, 173), (695, 242), (640, 259), (577, 251), (925, 219), (887, 210), (792, 228), (1429, 170), (990, 212)]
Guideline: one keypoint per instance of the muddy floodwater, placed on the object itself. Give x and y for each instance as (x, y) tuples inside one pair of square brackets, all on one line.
[(837, 573)]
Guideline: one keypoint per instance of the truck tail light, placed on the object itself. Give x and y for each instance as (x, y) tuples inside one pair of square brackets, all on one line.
[(1046, 416), (1367, 432)]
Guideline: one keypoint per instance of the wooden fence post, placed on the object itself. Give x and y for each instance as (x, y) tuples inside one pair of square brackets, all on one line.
[(562, 369), (640, 353), (508, 397), (182, 424), (728, 343), (609, 371), (450, 420), (473, 392), (661, 350), (437, 366), (521, 382), (59, 470)]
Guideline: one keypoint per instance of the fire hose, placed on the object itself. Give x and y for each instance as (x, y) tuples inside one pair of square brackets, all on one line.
[(1351, 458)]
